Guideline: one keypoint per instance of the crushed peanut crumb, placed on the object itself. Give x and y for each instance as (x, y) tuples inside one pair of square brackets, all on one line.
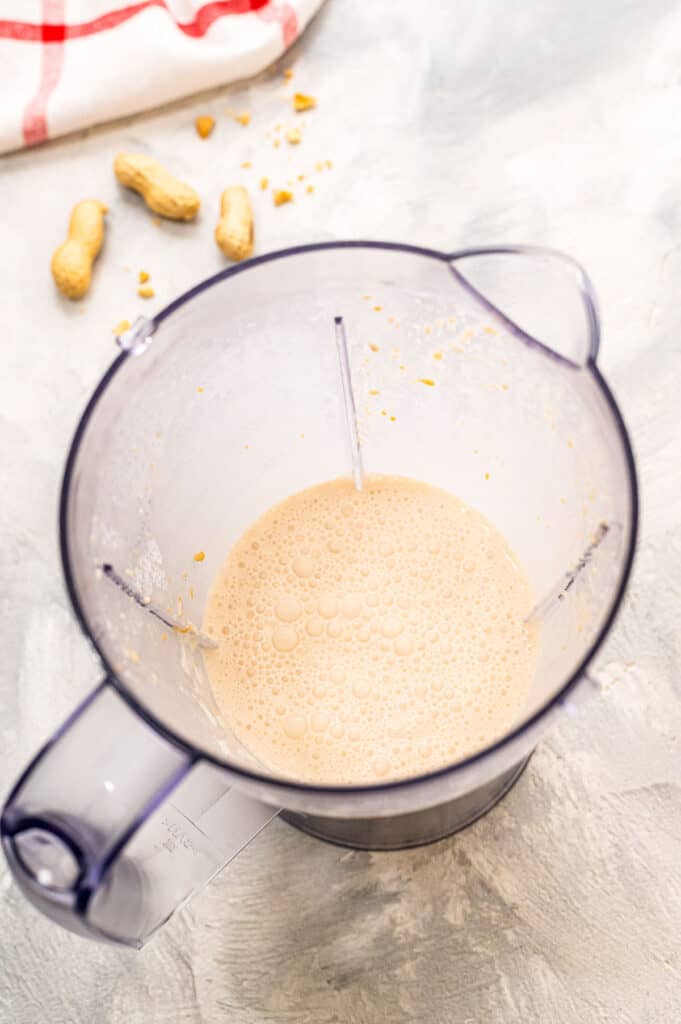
[(378, 308), (437, 355), (244, 119), (393, 418), (264, 182), (200, 390), (294, 136), (288, 74), (319, 166), (146, 292), (143, 277), (276, 144), (327, 163), (427, 381), (374, 347), (122, 327), (199, 556), (373, 391), (302, 102), (282, 196), (310, 188), (246, 164), (301, 177), (204, 126)]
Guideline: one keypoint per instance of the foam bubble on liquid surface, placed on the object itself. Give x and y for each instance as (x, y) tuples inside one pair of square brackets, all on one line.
[(372, 635)]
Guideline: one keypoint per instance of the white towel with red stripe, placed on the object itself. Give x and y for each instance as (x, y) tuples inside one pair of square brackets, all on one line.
[(68, 64)]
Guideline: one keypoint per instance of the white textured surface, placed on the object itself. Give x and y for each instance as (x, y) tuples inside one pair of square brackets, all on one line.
[(547, 122)]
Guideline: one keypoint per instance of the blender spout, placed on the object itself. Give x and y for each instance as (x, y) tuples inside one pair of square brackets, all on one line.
[(542, 297)]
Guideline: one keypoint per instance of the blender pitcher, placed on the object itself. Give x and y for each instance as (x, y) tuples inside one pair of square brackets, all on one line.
[(224, 404)]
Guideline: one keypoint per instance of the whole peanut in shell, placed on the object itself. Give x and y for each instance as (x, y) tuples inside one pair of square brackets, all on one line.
[(163, 193), (72, 261), (234, 231)]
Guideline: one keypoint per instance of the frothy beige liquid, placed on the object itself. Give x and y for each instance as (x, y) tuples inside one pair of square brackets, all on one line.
[(365, 636)]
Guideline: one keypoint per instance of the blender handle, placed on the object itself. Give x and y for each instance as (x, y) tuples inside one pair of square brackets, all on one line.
[(113, 826)]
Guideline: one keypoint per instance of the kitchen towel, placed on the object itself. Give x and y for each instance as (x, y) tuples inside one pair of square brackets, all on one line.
[(68, 64)]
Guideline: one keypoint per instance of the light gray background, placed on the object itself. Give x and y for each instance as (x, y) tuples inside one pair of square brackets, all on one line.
[(448, 124)]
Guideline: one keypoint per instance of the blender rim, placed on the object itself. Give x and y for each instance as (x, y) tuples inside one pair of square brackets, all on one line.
[(281, 783)]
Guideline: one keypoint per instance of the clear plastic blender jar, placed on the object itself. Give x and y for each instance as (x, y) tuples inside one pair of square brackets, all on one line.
[(195, 430)]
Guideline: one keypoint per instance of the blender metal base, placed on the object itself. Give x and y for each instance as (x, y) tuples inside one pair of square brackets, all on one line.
[(414, 829)]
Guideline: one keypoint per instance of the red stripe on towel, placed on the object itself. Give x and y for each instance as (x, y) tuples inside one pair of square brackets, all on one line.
[(34, 123), (57, 32)]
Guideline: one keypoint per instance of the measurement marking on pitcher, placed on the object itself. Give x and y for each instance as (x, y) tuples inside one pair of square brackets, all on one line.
[(560, 591), (349, 403), (149, 606)]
